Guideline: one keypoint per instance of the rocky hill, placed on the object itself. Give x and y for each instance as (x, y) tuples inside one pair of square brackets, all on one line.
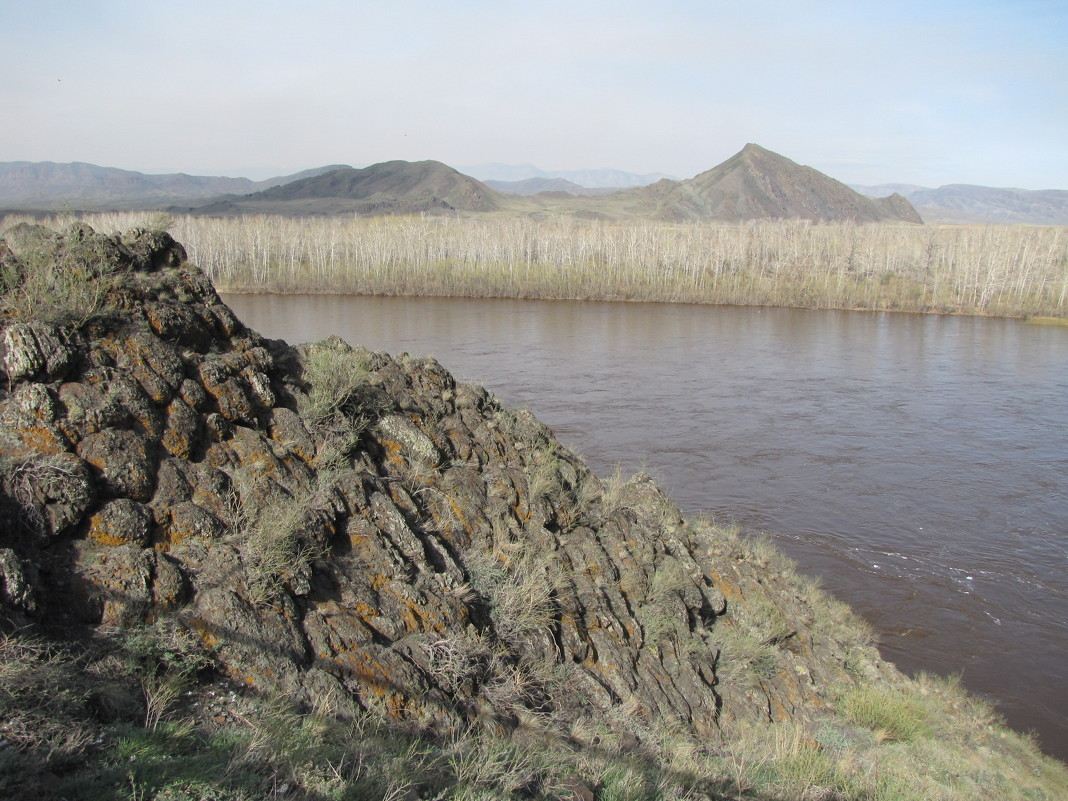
[(232, 569), (757, 184), (392, 187), (46, 185)]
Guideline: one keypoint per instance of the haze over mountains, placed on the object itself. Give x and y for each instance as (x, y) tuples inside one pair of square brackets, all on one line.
[(534, 186), (965, 203), (47, 185), (753, 184), (589, 179)]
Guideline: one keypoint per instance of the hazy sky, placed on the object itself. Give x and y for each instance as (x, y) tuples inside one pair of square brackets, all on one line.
[(912, 91)]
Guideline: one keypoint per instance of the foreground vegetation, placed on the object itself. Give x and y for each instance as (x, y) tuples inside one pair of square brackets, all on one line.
[(136, 714), (141, 712), (995, 270)]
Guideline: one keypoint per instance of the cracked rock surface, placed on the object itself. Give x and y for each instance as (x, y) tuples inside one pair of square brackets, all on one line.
[(335, 523)]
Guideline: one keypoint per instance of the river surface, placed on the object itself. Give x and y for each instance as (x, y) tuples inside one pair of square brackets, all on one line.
[(918, 464)]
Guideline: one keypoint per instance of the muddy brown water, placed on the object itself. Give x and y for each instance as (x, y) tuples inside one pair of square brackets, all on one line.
[(918, 464)]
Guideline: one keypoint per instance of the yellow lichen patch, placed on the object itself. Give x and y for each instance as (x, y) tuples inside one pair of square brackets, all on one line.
[(364, 611), (366, 669), (393, 452), (170, 538), (289, 446), (42, 439), (417, 618), (105, 530), (460, 517), (167, 598), (109, 539), (176, 444), (777, 710), (378, 581), (204, 633), (730, 589), (180, 429), (410, 618)]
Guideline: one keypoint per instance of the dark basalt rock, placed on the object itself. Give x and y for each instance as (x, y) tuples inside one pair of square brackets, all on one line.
[(420, 548)]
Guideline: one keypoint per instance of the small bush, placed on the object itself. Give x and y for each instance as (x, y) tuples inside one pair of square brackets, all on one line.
[(337, 378), (29, 480), (520, 592), (341, 402), (890, 713), (66, 283), (281, 540)]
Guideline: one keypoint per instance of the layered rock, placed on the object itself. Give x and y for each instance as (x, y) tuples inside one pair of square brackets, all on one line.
[(338, 525)]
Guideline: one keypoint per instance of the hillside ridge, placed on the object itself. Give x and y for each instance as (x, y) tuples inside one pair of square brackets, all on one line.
[(756, 183), (392, 187), (967, 203)]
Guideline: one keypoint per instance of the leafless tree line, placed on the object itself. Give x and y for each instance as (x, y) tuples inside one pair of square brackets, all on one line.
[(998, 270)]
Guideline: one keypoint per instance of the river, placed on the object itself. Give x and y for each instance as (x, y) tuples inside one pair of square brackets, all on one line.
[(918, 464)]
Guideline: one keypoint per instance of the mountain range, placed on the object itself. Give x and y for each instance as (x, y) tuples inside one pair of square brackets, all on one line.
[(753, 184), (29, 185), (966, 203)]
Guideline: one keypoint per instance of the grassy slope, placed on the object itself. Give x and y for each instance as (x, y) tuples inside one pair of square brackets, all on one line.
[(135, 715)]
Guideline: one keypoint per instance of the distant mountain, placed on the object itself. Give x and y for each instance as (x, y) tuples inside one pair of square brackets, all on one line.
[(392, 187), (884, 190), (590, 179), (533, 186), (297, 176), (965, 203), (758, 184), (47, 185), (753, 184)]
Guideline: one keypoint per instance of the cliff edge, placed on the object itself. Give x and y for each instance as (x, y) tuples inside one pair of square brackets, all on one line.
[(361, 537)]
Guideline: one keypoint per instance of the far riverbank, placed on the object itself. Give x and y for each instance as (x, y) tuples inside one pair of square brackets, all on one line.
[(988, 270)]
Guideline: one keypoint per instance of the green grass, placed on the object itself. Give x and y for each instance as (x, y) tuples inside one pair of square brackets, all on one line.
[(229, 745), (64, 286), (888, 712)]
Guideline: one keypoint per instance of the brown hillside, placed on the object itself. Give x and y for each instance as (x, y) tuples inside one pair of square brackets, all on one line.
[(392, 187), (758, 184)]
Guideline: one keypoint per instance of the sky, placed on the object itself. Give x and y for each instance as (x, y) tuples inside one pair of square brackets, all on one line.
[(925, 92)]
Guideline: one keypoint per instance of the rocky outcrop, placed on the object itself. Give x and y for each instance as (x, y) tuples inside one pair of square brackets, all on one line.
[(336, 524)]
